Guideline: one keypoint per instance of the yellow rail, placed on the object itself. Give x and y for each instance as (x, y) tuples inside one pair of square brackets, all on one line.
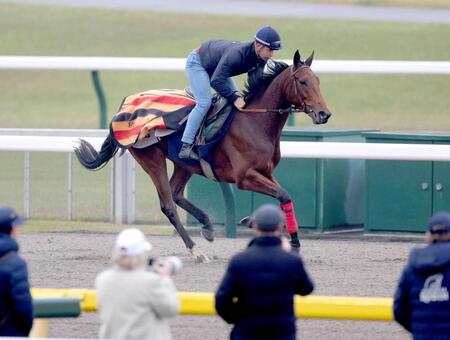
[(202, 303)]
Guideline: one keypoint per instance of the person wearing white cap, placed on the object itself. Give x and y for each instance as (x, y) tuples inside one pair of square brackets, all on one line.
[(133, 301)]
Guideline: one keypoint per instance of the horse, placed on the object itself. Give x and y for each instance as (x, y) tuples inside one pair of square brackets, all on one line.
[(248, 153)]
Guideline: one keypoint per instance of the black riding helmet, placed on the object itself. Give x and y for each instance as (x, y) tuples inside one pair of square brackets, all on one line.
[(267, 36)]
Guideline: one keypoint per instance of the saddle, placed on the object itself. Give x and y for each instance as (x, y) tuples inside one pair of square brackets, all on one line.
[(214, 119)]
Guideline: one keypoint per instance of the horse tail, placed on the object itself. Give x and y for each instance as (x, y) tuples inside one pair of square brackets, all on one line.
[(93, 160)]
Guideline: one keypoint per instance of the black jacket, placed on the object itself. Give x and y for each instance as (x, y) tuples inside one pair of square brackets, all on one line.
[(223, 59), (16, 308), (422, 301), (257, 291)]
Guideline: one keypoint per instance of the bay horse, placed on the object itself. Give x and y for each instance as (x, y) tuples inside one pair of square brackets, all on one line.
[(248, 153)]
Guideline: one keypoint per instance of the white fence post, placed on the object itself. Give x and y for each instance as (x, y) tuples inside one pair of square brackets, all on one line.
[(124, 189), (26, 184)]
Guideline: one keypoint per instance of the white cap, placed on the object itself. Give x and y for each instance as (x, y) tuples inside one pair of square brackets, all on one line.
[(132, 242)]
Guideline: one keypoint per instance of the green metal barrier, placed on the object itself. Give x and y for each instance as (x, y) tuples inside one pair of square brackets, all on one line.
[(52, 307), (101, 99), (67, 307)]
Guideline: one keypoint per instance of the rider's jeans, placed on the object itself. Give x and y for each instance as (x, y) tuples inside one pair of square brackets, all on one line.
[(199, 83)]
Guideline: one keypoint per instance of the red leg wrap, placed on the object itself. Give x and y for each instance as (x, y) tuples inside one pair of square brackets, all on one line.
[(291, 222)]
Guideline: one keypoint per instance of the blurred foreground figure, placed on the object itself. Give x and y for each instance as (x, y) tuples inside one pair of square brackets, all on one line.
[(16, 305), (421, 302), (135, 301), (257, 291)]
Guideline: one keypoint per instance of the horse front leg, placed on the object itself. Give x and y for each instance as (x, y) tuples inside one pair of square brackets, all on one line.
[(172, 215), (257, 182), (178, 182)]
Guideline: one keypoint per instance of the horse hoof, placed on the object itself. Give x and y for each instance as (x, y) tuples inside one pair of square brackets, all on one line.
[(246, 221), (199, 256), (207, 234)]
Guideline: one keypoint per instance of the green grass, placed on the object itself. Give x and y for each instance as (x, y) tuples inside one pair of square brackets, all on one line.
[(66, 99)]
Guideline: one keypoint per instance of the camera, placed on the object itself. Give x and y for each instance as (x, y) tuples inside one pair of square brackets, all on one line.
[(173, 261)]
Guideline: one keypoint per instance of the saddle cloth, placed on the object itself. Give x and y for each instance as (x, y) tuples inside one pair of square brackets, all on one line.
[(142, 113)]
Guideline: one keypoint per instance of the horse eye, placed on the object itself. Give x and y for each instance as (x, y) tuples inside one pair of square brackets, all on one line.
[(302, 82)]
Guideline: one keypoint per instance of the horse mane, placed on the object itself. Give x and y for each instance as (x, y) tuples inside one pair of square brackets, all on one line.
[(260, 78)]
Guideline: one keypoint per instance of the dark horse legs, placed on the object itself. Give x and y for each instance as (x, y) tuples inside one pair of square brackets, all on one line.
[(178, 182)]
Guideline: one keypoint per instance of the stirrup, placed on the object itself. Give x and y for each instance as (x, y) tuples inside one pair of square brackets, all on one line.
[(186, 152)]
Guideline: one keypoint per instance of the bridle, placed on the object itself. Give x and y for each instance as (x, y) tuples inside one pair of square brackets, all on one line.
[(292, 109)]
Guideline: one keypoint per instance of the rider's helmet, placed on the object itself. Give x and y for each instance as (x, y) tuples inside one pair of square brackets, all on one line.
[(267, 36)]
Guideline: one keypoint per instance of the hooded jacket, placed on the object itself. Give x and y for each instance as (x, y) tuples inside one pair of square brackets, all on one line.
[(422, 300), (16, 307)]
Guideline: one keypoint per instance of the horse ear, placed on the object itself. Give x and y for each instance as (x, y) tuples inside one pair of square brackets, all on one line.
[(310, 59), (297, 60)]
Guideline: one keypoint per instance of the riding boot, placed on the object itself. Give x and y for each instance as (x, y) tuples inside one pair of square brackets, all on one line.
[(187, 152)]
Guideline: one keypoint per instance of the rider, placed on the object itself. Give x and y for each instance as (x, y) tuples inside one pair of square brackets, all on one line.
[(213, 64)]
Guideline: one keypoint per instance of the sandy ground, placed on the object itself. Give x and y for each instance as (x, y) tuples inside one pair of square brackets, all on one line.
[(347, 267)]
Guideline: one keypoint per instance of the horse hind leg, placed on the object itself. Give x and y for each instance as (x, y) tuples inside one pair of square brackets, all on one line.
[(178, 182), (153, 162)]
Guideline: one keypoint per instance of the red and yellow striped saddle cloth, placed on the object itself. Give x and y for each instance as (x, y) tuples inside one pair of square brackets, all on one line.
[(141, 113)]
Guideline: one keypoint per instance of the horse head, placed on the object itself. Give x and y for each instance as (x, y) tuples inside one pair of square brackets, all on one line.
[(304, 90)]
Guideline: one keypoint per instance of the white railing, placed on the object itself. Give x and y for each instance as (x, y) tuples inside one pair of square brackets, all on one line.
[(336, 150), (404, 152), (177, 64)]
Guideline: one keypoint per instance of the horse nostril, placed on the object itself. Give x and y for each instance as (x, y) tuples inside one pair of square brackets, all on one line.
[(324, 115)]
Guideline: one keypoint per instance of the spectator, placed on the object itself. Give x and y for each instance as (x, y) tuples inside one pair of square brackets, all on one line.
[(421, 301), (257, 291), (16, 305), (133, 301)]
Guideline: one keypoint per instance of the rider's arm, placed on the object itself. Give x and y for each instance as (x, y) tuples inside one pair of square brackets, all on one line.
[(230, 65)]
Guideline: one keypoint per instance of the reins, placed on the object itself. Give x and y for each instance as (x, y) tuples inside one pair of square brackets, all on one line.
[(290, 110)]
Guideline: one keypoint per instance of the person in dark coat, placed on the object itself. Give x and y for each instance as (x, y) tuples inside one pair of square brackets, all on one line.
[(16, 307), (422, 299), (213, 64), (257, 292)]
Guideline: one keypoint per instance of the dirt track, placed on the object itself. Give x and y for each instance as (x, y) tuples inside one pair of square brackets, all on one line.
[(338, 267)]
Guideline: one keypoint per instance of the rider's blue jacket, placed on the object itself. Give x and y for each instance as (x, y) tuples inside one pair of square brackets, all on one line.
[(223, 59), (422, 299), (16, 308)]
